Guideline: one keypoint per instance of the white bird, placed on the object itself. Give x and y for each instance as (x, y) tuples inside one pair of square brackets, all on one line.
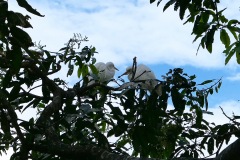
[(144, 74), (105, 72)]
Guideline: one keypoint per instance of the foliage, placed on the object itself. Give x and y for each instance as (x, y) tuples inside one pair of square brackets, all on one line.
[(79, 121), (207, 20)]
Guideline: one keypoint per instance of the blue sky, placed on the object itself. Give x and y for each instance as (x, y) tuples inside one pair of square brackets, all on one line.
[(121, 30)]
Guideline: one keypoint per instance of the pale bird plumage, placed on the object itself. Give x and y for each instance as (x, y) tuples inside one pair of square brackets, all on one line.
[(144, 74), (106, 72)]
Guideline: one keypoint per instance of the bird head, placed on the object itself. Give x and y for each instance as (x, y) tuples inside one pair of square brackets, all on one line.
[(111, 66), (128, 71)]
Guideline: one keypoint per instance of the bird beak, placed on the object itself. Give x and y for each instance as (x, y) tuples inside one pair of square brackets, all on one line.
[(125, 73), (116, 68)]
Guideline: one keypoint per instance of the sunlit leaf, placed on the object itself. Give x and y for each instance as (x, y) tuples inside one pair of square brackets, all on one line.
[(224, 38), (93, 69)]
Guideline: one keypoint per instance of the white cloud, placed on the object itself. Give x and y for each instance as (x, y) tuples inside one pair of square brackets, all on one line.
[(121, 31), (235, 77), (229, 107)]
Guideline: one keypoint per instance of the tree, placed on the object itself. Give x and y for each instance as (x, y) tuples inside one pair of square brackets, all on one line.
[(77, 122), (207, 20)]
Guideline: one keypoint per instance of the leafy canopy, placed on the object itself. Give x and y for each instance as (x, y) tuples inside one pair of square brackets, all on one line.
[(208, 19), (79, 120)]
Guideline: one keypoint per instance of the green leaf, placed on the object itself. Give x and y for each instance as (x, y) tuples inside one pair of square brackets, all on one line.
[(206, 82), (219, 84), (203, 40), (169, 3), (70, 69), (210, 38), (237, 50), (183, 7), (151, 1), (199, 116), (79, 72), (238, 57), (93, 69), (205, 17), (233, 30), (223, 129), (203, 142), (7, 78), (210, 91), (84, 70), (159, 1), (233, 21), (210, 145), (3, 11), (24, 4), (16, 62), (5, 124), (14, 92), (196, 24), (17, 19), (22, 37), (206, 102), (223, 19), (178, 101), (224, 38), (176, 5), (229, 56)]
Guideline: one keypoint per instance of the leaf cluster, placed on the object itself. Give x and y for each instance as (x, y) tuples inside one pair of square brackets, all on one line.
[(207, 19), (80, 120)]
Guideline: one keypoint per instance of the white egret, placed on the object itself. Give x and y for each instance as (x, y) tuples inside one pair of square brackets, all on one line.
[(144, 74), (105, 72)]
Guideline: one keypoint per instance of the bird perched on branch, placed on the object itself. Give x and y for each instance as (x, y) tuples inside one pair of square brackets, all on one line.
[(144, 76), (105, 72)]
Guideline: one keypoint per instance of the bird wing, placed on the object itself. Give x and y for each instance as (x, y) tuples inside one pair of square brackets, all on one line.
[(144, 73), (101, 67)]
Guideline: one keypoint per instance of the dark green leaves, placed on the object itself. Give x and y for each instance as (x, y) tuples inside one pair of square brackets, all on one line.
[(178, 101), (17, 19), (151, 1), (224, 38), (210, 145), (24, 4), (169, 3), (206, 82), (208, 19), (21, 37), (231, 50), (183, 7), (3, 11), (6, 80), (16, 59), (210, 38), (14, 94)]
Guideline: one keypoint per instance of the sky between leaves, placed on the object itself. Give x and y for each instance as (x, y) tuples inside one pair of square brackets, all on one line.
[(121, 30)]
